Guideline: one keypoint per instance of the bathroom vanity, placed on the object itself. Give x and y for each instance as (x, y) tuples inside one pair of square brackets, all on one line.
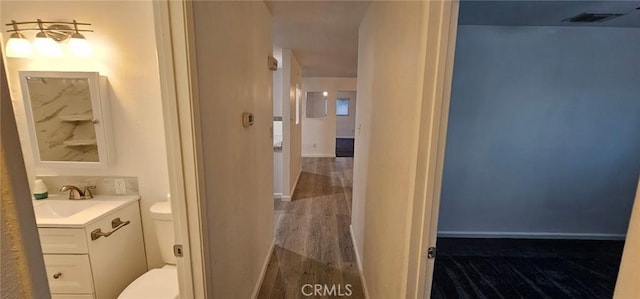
[(92, 248)]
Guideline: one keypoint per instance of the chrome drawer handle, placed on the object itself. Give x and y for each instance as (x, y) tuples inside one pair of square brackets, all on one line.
[(116, 224), (57, 275)]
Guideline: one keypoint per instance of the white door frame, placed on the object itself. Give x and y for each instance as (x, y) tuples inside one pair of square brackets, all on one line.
[(441, 139), (177, 68), (439, 40)]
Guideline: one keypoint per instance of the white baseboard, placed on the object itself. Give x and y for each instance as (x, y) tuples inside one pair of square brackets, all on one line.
[(285, 198), (346, 137), (256, 289), (359, 263), (530, 235), (288, 197), (277, 195), (295, 184), (318, 155)]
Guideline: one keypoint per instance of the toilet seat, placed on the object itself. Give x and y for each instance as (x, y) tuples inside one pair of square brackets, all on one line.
[(156, 283)]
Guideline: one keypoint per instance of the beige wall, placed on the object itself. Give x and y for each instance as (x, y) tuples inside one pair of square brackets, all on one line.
[(319, 134), (232, 43), (628, 284), (391, 30), (23, 274), (400, 82), (292, 163), (363, 132), (124, 50)]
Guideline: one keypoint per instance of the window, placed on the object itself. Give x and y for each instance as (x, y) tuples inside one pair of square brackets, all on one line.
[(342, 107)]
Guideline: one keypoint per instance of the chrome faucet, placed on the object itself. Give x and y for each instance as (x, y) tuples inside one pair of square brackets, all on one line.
[(76, 193)]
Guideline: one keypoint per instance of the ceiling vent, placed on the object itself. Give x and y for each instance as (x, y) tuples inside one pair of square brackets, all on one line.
[(587, 17)]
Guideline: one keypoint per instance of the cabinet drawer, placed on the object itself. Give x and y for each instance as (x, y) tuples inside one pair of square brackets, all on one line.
[(68, 273), (62, 240)]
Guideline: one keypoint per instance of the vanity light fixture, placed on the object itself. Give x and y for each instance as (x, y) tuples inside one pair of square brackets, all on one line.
[(78, 44), (45, 44), (48, 40), (18, 46), (325, 94)]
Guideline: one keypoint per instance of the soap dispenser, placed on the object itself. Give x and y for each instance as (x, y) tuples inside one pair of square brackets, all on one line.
[(40, 190)]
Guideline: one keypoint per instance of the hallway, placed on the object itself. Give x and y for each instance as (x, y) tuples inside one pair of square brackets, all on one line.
[(313, 242)]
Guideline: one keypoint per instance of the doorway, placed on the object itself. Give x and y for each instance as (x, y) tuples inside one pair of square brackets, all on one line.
[(345, 123), (378, 284), (541, 166)]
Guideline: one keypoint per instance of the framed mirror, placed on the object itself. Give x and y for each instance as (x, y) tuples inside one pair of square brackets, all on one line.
[(317, 105), (68, 118)]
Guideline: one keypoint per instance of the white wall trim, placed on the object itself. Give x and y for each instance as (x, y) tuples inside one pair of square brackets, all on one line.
[(256, 289), (531, 235), (285, 198), (346, 137), (277, 196), (295, 184), (318, 155), (359, 263)]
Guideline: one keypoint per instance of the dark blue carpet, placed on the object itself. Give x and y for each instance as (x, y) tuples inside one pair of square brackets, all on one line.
[(344, 147), (523, 268)]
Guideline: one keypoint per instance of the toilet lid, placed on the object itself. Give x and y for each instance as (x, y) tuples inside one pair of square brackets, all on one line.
[(156, 284)]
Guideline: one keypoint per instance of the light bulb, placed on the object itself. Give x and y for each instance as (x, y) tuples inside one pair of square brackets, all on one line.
[(325, 93), (79, 45), (18, 46), (46, 45)]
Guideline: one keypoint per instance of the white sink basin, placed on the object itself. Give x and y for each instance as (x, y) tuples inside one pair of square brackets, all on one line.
[(60, 208), (58, 211)]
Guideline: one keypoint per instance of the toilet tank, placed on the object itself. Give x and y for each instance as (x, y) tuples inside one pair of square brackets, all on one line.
[(163, 225)]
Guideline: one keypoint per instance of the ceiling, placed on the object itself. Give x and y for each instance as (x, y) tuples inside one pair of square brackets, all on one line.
[(545, 13), (323, 35)]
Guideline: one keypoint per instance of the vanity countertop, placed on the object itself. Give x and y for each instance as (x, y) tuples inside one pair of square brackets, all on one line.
[(59, 211)]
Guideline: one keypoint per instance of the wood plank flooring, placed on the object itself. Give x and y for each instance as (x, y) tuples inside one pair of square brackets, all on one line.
[(313, 241), (525, 268)]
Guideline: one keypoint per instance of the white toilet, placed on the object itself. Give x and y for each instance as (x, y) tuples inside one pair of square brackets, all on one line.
[(159, 283)]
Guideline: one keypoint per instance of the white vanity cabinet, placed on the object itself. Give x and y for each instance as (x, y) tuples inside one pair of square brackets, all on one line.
[(89, 261)]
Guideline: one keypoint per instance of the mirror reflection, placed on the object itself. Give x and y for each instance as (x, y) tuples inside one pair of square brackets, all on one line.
[(62, 114), (316, 105)]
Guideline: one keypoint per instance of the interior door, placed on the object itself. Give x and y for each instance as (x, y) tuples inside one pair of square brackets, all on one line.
[(172, 29), (441, 40)]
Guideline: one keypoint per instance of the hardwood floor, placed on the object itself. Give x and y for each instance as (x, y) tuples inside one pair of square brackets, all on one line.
[(313, 241), (526, 268)]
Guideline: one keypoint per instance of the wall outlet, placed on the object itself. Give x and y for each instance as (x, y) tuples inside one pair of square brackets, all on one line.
[(119, 185)]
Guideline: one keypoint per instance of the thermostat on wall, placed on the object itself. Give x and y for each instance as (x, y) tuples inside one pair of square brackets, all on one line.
[(247, 119)]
